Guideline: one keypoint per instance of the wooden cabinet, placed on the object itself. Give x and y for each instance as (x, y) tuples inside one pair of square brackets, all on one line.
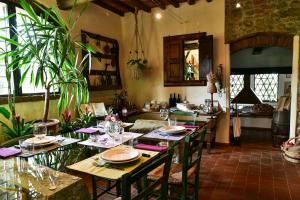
[(175, 59)]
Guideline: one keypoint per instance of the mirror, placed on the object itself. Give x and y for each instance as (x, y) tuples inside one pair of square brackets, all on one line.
[(191, 60)]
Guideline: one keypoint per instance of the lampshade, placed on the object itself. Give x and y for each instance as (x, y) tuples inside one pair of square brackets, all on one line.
[(211, 80)]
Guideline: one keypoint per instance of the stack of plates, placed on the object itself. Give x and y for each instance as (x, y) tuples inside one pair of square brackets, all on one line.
[(120, 155), (47, 140), (172, 129)]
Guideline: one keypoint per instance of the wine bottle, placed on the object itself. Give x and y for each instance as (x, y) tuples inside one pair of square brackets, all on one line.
[(174, 101), (178, 100), (170, 101)]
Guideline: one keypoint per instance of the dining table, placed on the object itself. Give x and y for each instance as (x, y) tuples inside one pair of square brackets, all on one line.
[(21, 179), (79, 153)]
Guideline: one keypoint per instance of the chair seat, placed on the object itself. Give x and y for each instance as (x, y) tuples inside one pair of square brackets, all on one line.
[(175, 173)]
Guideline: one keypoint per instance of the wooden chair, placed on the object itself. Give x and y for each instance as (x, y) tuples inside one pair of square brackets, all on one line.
[(182, 116), (146, 189), (188, 170)]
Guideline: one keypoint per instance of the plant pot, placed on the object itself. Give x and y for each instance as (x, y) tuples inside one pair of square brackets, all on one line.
[(68, 4), (52, 125)]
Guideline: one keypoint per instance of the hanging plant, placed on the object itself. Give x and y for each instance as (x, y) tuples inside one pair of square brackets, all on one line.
[(138, 64)]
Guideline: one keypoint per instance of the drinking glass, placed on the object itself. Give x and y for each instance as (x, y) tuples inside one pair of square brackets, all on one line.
[(172, 122), (26, 148), (39, 131), (164, 114), (113, 130)]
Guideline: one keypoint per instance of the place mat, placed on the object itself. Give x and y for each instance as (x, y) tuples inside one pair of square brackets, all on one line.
[(8, 152), (105, 141), (63, 141), (90, 130), (90, 165), (150, 147), (156, 134)]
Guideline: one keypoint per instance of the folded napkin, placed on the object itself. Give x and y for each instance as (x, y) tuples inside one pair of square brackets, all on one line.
[(150, 147), (86, 130), (7, 152), (190, 126)]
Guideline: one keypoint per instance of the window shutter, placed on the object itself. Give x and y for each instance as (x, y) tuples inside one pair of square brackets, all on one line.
[(205, 55)]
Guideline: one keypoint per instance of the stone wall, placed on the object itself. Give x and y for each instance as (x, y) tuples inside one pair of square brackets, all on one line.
[(261, 16)]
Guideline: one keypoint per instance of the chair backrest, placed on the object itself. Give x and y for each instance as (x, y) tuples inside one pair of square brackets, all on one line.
[(193, 146), (148, 187), (182, 116)]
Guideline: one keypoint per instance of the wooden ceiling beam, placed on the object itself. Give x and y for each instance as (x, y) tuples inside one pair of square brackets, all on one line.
[(140, 5), (124, 5), (160, 3), (191, 2), (175, 3), (105, 5)]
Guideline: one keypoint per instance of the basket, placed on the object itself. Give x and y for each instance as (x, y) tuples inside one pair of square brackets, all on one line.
[(291, 151)]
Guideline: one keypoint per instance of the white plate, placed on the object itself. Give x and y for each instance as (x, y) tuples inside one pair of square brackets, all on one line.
[(119, 154), (41, 142), (124, 161), (172, 129)]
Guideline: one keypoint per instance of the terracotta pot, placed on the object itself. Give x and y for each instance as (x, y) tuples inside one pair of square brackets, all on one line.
[(52, 125), (68, 4)]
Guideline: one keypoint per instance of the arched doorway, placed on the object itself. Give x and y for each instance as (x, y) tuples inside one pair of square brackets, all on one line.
[(281, 43)]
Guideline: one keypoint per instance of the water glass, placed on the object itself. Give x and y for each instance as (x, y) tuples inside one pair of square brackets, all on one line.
[(172, 122), (26, 148), (39, 131)]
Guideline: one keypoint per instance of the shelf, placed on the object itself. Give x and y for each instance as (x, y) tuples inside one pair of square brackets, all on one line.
[(105, 56)]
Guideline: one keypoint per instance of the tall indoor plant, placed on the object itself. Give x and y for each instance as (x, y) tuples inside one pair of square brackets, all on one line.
[(44, 49)]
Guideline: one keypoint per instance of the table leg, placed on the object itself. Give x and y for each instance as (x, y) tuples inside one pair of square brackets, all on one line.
[(208, 143)]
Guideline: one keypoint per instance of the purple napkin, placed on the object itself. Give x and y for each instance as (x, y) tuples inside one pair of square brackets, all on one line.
[(190, 126), (86, 130), (150, 147), (7, 152)]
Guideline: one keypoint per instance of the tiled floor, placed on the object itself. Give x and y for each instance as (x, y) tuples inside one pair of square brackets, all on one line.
[(253, 171)]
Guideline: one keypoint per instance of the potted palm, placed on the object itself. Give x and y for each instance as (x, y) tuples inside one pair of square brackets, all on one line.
[(45, 50)]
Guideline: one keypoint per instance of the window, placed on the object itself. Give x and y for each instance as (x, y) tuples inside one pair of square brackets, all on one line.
[(236, 84), (27, 88), (266, 86)]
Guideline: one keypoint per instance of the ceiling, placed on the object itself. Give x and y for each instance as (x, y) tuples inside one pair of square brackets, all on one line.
[(121, 7)]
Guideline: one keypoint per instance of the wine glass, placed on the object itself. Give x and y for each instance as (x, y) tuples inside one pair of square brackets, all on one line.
[(164, 114), (113, 130), (39, 131)]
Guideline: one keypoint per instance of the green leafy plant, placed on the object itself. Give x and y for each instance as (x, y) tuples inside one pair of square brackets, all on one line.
[(13, 124), (138, 63), (45, 50), (188, 68)]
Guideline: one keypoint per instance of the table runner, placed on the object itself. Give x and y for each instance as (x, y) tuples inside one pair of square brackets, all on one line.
[(105, 141), (90, 166), (156, 134)]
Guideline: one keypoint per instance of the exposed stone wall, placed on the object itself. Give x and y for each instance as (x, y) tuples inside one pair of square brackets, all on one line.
[(261, 16)]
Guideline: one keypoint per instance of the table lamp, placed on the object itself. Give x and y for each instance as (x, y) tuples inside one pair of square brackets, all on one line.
[(211, 88)]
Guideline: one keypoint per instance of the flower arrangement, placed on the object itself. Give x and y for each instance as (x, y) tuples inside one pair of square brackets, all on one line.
[(112, 118)]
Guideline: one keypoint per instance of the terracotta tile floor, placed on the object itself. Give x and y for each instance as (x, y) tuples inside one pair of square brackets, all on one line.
[(253, 171)]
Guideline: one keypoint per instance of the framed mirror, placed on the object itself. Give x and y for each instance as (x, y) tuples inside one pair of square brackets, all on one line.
[(187, 59)]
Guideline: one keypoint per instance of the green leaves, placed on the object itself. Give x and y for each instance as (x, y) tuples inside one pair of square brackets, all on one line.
[(5, 113), (45, 51), (138, 63)]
